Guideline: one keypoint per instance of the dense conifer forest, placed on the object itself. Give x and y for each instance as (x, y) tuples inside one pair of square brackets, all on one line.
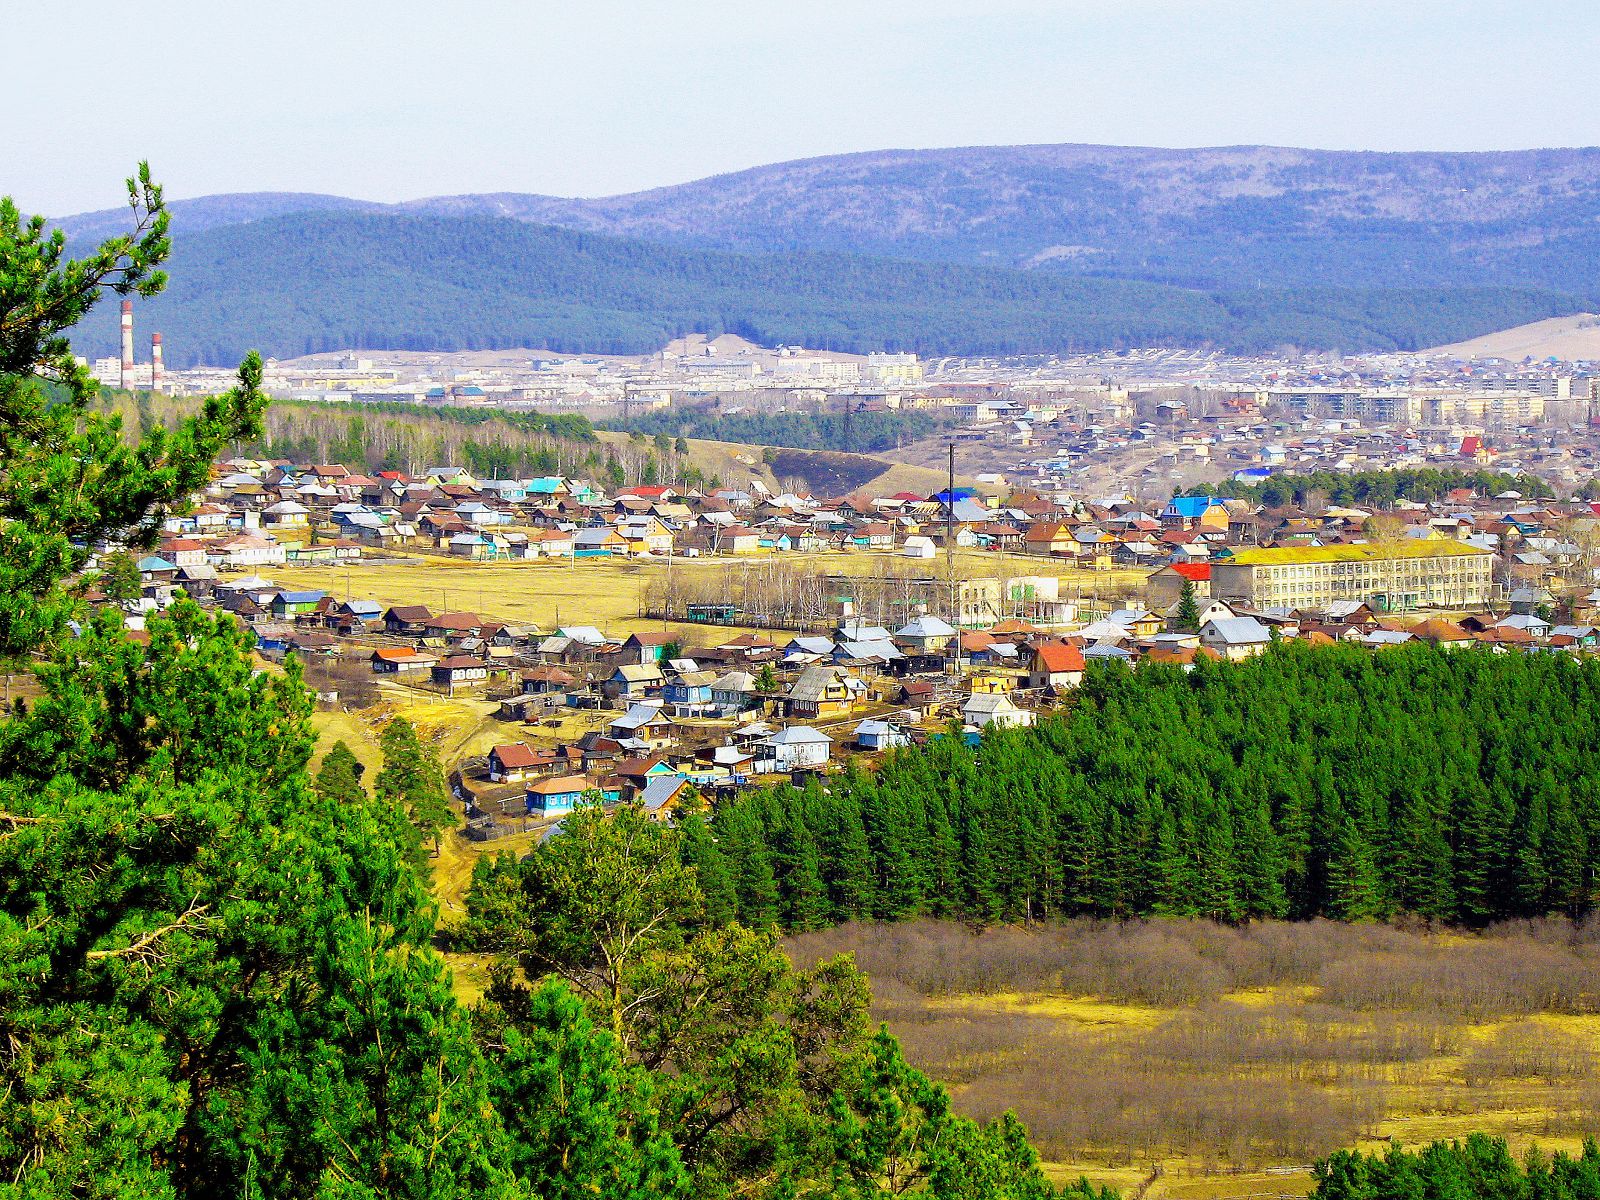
[(321, 281), (1456, 786), (1480, 1167)]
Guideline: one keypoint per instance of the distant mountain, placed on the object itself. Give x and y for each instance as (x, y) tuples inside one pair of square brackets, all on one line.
[(208, 212), (324, 280), (1220, 218)]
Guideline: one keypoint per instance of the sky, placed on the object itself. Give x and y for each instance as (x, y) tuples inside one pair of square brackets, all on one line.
[(402, 99)]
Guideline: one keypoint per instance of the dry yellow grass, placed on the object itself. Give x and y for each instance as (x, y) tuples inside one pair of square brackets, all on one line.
[(1086, 1011), (1426, 1102), (607, 593), (546, 594)]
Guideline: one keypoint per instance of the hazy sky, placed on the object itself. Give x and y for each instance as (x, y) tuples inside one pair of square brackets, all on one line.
[(404, 98)]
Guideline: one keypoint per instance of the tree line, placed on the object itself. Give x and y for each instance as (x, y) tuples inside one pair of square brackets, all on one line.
[(1454, 786), (863, 432), (1481, 1167), (1377, 489)]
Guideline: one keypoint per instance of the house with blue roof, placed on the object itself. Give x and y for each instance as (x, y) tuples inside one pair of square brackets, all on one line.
[(290, 604), (156, 569), (1189, 512)]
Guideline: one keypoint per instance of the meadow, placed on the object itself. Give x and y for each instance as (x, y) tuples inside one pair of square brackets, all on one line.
[(1198, 1060), (607, 593)]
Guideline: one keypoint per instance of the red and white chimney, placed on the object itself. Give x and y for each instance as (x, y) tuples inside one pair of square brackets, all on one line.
[(127, 344), (158, 369)]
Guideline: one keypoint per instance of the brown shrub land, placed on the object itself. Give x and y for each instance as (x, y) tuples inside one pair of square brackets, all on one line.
[(1183, 1047)]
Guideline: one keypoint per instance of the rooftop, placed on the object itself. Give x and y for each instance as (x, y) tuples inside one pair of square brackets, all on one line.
[(1360, 552)]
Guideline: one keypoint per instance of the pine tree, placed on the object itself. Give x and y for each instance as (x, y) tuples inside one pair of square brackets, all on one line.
[(1187, 617), (1354, 892), (412, 781), (844, 857), (339, 778), (580, 1121)]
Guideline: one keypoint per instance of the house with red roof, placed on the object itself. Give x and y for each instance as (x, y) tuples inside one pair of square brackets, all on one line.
[(1054, 665)]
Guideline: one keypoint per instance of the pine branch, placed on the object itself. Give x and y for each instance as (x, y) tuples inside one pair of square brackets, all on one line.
[(141, 949)]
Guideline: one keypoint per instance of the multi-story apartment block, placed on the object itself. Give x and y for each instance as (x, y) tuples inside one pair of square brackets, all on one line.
[(1391, 576), (901, 370), (1388, 406), (1482, 408)]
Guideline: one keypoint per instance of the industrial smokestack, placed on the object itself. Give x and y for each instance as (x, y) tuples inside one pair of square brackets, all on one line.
[(127, 344), (158, 370)]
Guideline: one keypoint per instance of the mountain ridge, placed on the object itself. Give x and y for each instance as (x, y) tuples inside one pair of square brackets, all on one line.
[(1000, 249), (1210, 217)]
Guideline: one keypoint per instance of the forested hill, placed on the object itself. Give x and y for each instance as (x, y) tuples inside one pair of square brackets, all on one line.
[(1210, 217), (312, 281), (1241, 216)]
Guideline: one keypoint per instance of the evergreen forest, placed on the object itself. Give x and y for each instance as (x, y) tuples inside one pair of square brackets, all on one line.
[(325, 281), (1479, 1166), (1455, 786)]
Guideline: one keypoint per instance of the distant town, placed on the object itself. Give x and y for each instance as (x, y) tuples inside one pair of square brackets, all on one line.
[(1145, 423)]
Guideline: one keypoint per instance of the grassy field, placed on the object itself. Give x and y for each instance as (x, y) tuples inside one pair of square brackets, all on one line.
[(1211, 1062), (606, 593)]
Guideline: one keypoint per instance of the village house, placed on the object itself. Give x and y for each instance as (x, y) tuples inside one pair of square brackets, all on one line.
[(997, 708), (1164, 588), (632, 682), (286, 514), (665, 793), (689, 692), (1054, 665), (538, 681), (823, 691), (645, 648), (406, 620), (633, 775), (925, 635), (453, 626), (402, 660), (512, 763), (733, 692), (460, 668), (599, 542), (560, 795), (646, 724), (798, 748), (245, 552), (1235, 638), (877, 735), (182, 552), (293, 604)]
